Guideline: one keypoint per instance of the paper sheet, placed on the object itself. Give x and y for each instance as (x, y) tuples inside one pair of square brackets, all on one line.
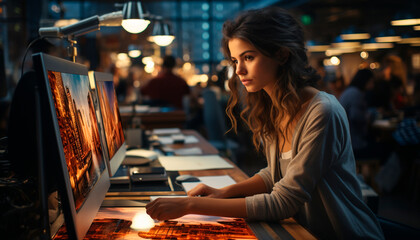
[(212, 181), (166, 131), (188, 151), (165, 140), (142, 153), (187, 163)]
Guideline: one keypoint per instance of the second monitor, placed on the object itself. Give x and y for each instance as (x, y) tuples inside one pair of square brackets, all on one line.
[(110, 119)]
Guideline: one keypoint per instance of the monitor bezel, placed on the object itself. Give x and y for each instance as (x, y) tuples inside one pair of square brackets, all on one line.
[(115, 162), (77, 222)]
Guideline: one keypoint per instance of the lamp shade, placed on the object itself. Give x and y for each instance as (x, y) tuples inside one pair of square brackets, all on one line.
[(161, 34), (133, 17)]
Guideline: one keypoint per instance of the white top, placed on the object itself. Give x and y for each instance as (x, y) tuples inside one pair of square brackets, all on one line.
[(317, 185)]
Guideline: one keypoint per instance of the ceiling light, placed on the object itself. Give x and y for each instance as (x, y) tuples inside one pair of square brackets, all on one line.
[(346, 44), (355, 36), (133, 18), (406, 22), (374, 46), (388, 39), (409, 40), (135, 53), (318, 48), (161, 34)]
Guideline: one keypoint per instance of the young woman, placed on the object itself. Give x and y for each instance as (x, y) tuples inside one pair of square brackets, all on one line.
[(311, 169)]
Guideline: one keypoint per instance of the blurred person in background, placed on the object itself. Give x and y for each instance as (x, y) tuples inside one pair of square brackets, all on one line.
[(354, 102), (167, 89)]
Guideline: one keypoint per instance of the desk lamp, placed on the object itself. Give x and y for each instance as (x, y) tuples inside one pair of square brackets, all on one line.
[(131, 18)]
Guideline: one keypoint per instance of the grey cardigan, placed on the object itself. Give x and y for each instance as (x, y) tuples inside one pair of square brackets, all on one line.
[(317, 185)]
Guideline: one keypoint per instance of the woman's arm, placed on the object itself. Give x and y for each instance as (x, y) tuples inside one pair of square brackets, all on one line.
[(249, 187), (170, 208), (213, 205)]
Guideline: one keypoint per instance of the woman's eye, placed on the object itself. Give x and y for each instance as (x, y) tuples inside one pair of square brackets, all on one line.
[(234, 61), (247, 57)]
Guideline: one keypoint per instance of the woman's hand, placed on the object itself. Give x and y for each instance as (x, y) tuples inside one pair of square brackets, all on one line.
[(167, 208), (203, 190)]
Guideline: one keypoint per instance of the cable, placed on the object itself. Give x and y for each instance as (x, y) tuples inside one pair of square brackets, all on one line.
[(26, 52)]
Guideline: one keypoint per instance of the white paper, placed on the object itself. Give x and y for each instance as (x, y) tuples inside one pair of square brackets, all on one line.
[(188, 151), (212, 181), (165, 140), (187, 163), (142, 108), (152, 198), (166, 131), (142, 153)]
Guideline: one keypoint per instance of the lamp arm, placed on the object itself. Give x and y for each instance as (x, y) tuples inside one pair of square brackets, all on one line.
[(84, 26), (113, 19)]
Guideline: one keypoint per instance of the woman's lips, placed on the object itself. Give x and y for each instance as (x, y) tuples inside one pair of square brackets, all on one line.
[(246, 81)]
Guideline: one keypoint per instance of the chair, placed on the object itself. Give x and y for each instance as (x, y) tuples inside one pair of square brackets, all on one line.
[(214, 120)]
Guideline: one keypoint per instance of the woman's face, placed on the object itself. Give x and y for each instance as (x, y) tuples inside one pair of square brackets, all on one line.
[(255, 70)]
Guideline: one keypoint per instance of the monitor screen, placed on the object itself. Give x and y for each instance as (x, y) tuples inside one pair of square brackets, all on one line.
[(84, 171), (110, 120)]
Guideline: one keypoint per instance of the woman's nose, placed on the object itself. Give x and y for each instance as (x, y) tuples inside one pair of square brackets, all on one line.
[(240, 69)]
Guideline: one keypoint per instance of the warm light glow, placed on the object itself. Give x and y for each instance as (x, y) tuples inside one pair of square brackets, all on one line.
[(406, 22), (417, 28), (355, 36), (186, 66), (134, 53), (214, 78), (333, 51), (123, 60), (204, 78), (92, 79), (224, 63), (335, 61), (373, 46), (135, 25), (142, 221), (65, 22), (318, 48), (346, 45), (227, 86), (409, 40), (374, 65), (162, 40), (150, 67), (122, 56), (364, 55), (388, 39), (147, 60)]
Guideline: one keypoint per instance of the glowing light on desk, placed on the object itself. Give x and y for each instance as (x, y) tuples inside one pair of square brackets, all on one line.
[(142, 221)]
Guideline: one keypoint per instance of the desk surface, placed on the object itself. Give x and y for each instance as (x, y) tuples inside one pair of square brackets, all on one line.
[(151, 120), (290, 225)]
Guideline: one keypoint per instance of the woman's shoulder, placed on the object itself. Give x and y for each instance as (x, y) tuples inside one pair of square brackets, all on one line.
[(325, 105)]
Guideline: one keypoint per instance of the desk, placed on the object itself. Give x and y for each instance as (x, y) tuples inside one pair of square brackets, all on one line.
[(151, 120), (290, 225)]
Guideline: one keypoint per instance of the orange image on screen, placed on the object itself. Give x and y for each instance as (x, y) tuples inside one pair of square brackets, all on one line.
[(110, 116), (78, 131)]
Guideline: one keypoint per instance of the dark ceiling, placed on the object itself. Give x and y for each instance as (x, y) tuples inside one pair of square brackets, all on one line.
[(331, 17)]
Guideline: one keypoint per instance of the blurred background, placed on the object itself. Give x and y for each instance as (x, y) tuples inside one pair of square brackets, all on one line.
[(343, 37)]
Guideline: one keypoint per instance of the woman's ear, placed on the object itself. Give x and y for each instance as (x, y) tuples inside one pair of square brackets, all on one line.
[(283, 55)]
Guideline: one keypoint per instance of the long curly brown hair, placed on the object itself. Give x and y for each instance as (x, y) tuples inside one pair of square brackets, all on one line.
[(275, 33)]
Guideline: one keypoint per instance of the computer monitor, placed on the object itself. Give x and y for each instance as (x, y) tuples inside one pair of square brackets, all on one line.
[(110, 119), (82, 164)]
